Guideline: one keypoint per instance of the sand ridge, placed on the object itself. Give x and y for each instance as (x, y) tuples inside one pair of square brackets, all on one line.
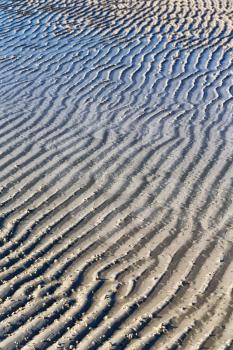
[(116, 164)]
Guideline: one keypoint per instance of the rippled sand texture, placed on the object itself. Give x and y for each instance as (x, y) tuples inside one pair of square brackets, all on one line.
[(116, 174)]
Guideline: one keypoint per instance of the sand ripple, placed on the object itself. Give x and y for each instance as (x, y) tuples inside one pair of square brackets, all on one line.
[(116, 174)]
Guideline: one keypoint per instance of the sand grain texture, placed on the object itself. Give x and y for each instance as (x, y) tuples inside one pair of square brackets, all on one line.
[(116, 174)]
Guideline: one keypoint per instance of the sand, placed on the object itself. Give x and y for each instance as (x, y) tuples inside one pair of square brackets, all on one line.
[(116, 174)]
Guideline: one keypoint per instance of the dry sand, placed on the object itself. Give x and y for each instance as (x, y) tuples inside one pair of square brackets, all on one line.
[(116, 174)]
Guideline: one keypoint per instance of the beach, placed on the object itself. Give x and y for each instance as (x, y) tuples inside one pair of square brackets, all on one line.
[(116, 174)]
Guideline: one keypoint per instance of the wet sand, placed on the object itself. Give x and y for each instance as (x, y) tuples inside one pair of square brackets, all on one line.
[(116, 174)]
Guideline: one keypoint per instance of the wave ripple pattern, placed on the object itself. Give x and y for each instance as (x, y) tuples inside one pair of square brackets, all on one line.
[(116, 174)]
